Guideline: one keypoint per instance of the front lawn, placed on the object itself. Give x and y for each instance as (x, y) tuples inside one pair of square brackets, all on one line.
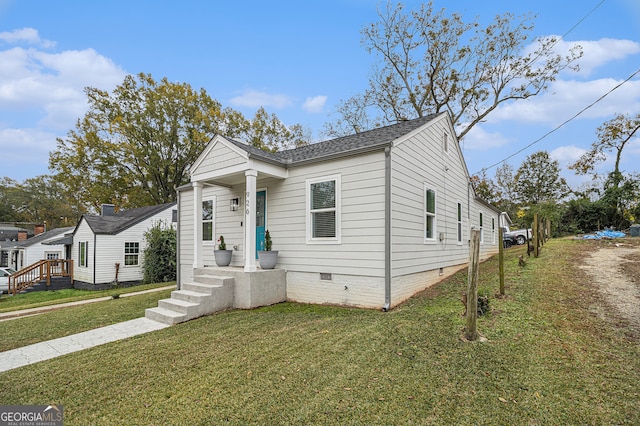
[(38, 299), (549, 359), (76, 319)]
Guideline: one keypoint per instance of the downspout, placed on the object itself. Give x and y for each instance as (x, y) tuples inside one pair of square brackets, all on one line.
[(178, 242), (387, 229)]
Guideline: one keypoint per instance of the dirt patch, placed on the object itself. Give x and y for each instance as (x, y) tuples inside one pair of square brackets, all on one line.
[(614, 270)]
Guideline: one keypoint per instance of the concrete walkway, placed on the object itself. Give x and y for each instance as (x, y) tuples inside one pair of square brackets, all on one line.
[(49, 349), (76, 342)]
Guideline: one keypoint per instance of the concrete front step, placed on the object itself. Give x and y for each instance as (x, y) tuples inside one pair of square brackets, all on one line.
[(165, 316), (190, 296), (201, 288), (177, 305), (207, 295), (205, 278)]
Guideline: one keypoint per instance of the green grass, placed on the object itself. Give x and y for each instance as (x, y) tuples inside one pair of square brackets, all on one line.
[(39, 299), (548, 360), (63, 322)]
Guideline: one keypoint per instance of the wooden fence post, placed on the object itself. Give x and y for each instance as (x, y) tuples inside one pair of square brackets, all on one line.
[(501, 259), (536, 236), (471, 332)]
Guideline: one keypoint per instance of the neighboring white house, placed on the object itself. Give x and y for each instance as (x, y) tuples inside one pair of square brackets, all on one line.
[(365, 220), (109, 247), (39, 247)]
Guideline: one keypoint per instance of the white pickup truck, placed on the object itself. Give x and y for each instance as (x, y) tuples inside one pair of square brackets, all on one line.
[(521, 235)]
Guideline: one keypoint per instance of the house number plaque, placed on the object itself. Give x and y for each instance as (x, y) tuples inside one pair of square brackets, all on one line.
[(247, 202)]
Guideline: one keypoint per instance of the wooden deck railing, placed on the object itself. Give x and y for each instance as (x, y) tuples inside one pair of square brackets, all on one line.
[(38, 272)]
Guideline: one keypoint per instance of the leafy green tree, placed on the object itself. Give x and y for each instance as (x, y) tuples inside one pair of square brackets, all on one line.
[(39, 200), (485, 188), (538, 180), (431, 62), (159, 263), (134, 145), (620, 190)]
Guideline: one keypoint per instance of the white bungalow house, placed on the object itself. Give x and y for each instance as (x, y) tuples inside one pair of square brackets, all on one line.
[(109, 248), (48, 245), (365, 220)]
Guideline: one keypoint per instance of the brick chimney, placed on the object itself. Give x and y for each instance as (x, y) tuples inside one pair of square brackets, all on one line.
[(22, 235), (38, 229)]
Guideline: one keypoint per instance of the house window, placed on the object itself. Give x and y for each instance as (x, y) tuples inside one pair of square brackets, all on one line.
[(429, 214), (83, 248), (323, 210), (493, 230), (459, 223), (131, 254), (207, 220), (52, 255), (481, 229)]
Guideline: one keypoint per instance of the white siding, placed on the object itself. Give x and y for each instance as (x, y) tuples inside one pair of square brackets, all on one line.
[(421, 160), (185, 235), (107, 250), (361, 250), (83, 233), (220, 157)]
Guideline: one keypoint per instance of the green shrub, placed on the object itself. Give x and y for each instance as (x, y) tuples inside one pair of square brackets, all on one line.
[(159, 264)]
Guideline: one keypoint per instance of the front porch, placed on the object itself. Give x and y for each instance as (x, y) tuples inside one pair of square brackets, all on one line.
[(216, 289)]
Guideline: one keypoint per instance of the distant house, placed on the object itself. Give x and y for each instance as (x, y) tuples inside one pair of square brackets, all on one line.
[(47, 245), (109, 247), (365, 220)]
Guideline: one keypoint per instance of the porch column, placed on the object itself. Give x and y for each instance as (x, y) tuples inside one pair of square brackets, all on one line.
[(250, 222), (197, 225)]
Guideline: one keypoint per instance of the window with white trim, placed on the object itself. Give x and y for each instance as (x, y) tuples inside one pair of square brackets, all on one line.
[(429, 214), (83, 248), (207, 220), (459, 223), (481, 229), (323, 210), (131, 253), (52, 255)]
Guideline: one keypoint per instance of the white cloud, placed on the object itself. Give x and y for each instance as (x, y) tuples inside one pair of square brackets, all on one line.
[(315, 104), (28, 35), (32, 145), (480, 140), (53, 83), (42, 96), (567, 154), (565, 98), (255, 99), (597, 53)]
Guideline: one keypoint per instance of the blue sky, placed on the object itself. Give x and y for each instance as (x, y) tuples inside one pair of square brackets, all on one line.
[(296, 59)]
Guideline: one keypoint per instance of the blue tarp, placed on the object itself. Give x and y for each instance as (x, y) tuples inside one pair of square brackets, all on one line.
[(604, 234)]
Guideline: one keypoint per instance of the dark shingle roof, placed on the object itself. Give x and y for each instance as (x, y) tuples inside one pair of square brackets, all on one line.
[(338, 147), (45, 235), (111, 225)]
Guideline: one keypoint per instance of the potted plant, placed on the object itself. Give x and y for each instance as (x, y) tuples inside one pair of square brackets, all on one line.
[(222, 255), (268, 258)]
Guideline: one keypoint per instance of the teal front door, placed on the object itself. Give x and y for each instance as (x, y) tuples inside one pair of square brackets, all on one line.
[(261, 219)]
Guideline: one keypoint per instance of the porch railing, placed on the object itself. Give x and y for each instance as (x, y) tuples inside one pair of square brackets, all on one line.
[(42, 270)]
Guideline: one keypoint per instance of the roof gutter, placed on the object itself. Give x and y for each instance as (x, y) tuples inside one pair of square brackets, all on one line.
[(387, 229), (371, 148)]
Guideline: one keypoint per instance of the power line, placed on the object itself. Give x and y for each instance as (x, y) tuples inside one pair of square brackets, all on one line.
[(563, 124)]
